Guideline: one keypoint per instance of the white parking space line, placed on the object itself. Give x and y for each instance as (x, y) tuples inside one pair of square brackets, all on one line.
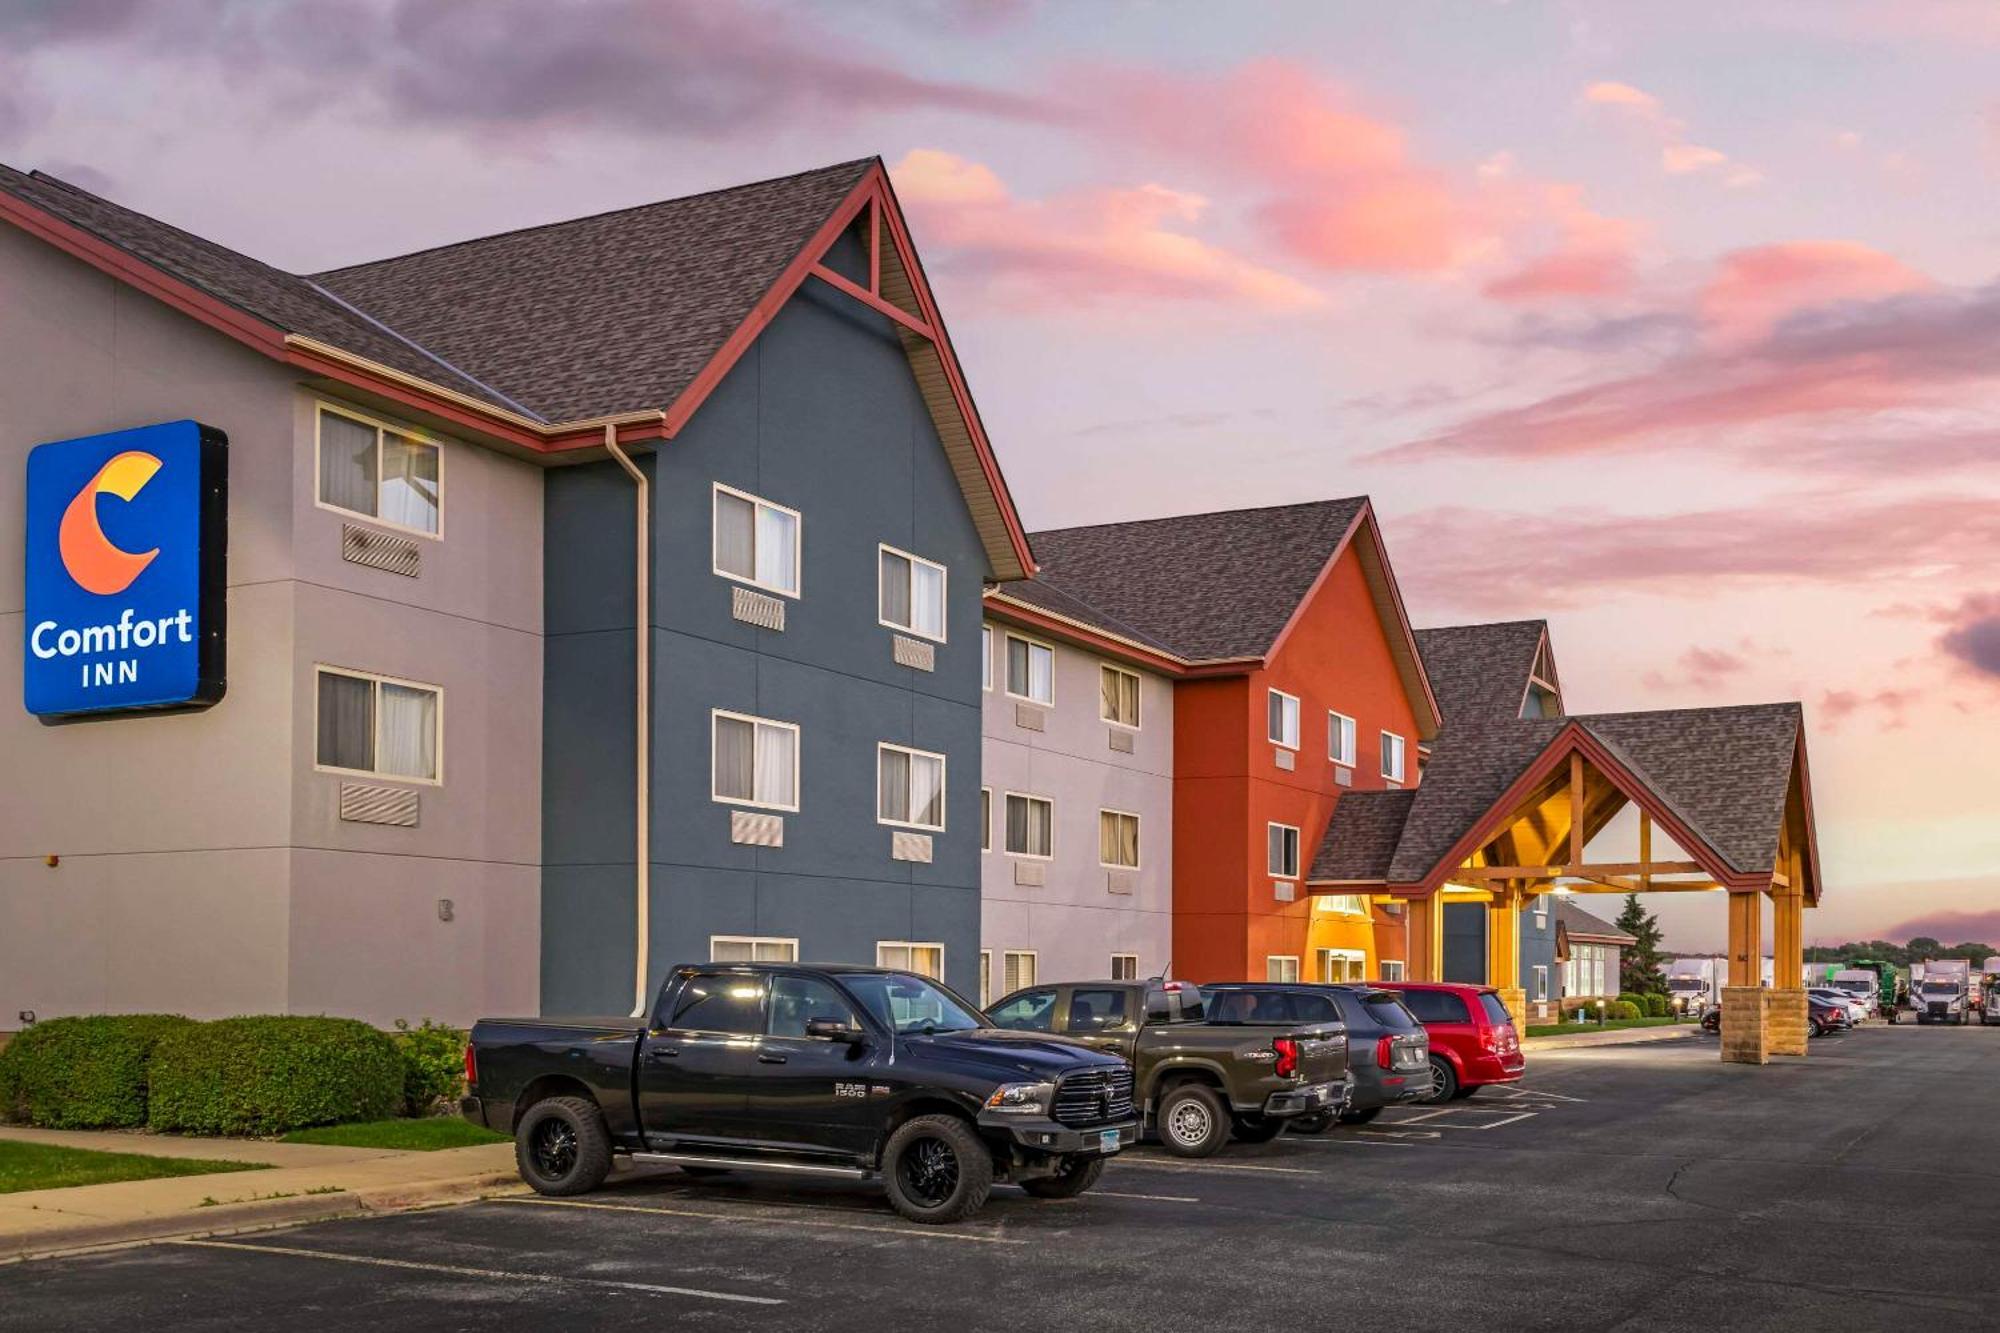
[(759, 1219), (1157, 1164), (1346, 1141), (1151, 1198), (493, 1274), (1433, 1120)]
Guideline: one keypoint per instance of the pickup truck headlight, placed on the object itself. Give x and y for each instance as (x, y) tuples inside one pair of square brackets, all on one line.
[(1022, 1098)]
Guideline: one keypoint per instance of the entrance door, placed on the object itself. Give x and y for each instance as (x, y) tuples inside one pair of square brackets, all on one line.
[(699, 1065)]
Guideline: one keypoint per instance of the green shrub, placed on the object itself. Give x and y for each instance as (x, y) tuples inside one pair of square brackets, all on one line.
[(1657, 1005), (83, 1073), (1636, 1001), (272, 1074), (433, 1065), (1580, 1011), (1624, 1009)]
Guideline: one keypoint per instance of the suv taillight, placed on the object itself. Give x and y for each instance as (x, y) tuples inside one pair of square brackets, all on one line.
[(471, 1068), (1385, 1052), (1288, 1057)]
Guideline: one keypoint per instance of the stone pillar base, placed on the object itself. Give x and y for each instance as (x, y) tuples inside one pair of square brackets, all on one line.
[(1516, 1000), (1758, 1024)]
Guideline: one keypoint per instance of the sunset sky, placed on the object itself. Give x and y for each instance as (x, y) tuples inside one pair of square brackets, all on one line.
[(1674, 322)]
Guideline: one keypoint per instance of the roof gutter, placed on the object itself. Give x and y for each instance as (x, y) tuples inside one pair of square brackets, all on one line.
[(642, 889)]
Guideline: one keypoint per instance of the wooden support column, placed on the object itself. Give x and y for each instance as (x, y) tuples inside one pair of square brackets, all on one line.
[(1425, 927), (1746, 1005), (1503, 952), (1645, 849), (1785, 1002), (1576, 810), (1746, 939)]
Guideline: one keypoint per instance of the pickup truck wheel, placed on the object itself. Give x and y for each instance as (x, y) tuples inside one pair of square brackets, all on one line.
[(1077, 1175), (1444, 1080), (1360, 1117), (1255, 1128), (562, 1147), (1192, 1121), (936, 1169)]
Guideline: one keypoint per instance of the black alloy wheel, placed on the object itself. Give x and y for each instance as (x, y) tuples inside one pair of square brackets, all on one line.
[(937, 1169)]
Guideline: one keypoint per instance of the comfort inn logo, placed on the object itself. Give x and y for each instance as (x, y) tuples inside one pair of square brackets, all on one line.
[(126, 548)]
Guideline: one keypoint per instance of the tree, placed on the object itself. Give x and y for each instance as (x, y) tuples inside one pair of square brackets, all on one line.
[(1641, 965)]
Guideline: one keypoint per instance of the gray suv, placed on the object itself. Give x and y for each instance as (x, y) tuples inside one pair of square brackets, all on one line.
[(1388, 1050)]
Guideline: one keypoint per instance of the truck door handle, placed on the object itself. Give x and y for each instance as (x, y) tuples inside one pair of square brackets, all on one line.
[(769, 1058), (662, 1052)]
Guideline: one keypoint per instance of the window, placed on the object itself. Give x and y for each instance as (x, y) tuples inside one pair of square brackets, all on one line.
[(1118, 839), (375, 725), (1344, 904), (985, 819), (378, 471), (1033, 1012), (751, 949), (1541, 983), (1118, 696), (985, 657), (1392, 969), (926, 960), (1541, 911), (1436, 1006), (1284, 851), (1031, 670), (755, 761), (756, 542), (909, 787), (1338, 965), (796, 1001), (1030, 826), (721, 1002), (1124, 967), (1392, 756), (1340, 739), (912, 594), (985, 977), (1018, 970), (1096, 1010), (1283, 717), (1281, 967)]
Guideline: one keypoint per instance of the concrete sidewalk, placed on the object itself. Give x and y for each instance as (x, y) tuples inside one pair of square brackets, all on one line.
[(303, 1183), (1610, 1037)]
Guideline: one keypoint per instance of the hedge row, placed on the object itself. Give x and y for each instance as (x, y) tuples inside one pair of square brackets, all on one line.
[(267, 1075)]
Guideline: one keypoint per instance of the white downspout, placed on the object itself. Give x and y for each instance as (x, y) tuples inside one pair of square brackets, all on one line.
[(641, 709)]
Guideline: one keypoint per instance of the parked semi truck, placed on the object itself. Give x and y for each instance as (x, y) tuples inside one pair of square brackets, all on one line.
[(1873, 981), (1694, 985), (1946, 993), (1989, 1007)]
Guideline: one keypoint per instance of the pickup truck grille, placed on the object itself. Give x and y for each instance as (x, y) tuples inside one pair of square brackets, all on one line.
[(1094, 1097)]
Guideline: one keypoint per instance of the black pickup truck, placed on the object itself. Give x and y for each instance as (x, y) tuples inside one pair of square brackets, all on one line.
[(849, 1072)]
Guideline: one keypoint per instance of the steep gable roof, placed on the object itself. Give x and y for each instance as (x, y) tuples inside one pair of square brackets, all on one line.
[(1584, 926), (1360, 842), (600, 315), (1481, 671)]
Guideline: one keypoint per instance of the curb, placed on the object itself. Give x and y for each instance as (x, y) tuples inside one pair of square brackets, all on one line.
[(1617, 1037), (255, 1215)]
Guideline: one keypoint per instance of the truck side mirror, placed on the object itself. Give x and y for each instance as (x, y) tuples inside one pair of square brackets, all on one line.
[(833, 1029)]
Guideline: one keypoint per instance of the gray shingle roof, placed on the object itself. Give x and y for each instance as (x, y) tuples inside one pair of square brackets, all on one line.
[(1480, 671), (1472, 764), (595, 316), (604, 314), (1361, 839), (1200, 586), (277, 298), (1579, 922)]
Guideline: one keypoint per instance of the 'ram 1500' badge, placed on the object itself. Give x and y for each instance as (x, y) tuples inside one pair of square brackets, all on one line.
[(850, 1089)]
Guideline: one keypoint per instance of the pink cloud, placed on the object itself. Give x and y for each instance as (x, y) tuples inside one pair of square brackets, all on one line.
[(1887, 707), (1096, 243), (1679, 156), (1753, 289), (1700, 669), (1974, 637), (1950, 928)]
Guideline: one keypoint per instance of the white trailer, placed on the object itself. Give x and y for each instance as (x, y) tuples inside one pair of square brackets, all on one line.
[(1945, 996), (1694, 985)]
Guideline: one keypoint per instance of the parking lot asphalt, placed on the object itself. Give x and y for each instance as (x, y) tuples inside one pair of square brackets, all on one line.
[(1639, 1187)]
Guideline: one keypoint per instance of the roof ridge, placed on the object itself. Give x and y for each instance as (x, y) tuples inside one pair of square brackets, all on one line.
[(45, 178), (1793, 706), (1485, 624), (1204, 513), (589, 217), (1107, 619)]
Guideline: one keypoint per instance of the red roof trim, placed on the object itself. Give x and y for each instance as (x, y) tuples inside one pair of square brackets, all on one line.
[(1057, 627)]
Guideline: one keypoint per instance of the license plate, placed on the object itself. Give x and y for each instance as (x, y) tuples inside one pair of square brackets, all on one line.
[(1109, 1141)]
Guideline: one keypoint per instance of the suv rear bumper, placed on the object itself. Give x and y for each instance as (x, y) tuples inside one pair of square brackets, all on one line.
[(1039, 1134), (1289, 1102)]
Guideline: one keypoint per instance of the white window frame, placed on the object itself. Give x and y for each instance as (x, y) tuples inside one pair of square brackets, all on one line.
[(1541, 911), (1139, 840), (1298, 850), (985, 818), (1391, 969), (906, 946), (789, 942), (378, 681), (1049, 801), (1402, 757), (1138, 687), (1348, 958), (985, 654), (1007, 685), (321, 409), (1343, 738), (757, 502), (944, 593), (1034, 968), (715, 715), (944, 788), (1541, 977), (985, 977), (1132, 962), (1281, 958), (1293, 743)]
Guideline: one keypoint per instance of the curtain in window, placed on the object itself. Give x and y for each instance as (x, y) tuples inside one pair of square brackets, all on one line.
[(409, 482), (346, 722), (895, 589), (773, 951), (735, 740), (1275, 854), (777, 549), (1041, 827), (927, 598), (735, 536), (730, 951), (1274, 713), (1041, 673), (1028, 826), (346, 463), (775, 778), (892, 798), (1020, 971), (927, 960), (407, 746), (1117, 838), (927, 790)]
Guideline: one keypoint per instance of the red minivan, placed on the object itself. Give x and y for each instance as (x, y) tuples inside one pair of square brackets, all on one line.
[(1473, 1041)]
